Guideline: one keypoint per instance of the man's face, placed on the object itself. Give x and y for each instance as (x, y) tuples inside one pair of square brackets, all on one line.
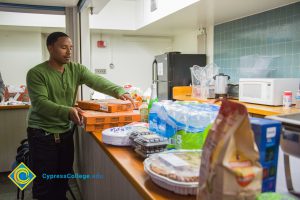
[(61, 50)]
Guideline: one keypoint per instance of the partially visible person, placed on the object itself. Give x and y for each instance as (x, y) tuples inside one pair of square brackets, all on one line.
[(52, 87), (2, 87)]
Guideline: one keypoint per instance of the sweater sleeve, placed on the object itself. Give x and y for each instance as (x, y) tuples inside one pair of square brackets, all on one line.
[(100, 83), (39, 97)]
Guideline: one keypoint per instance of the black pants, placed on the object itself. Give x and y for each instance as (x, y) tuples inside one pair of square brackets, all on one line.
[(48, 157)]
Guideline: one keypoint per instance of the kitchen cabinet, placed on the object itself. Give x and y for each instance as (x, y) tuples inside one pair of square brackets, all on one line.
[(13, 124)]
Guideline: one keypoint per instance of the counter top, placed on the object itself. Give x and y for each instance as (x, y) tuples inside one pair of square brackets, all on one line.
[(13, 107), (184, 93), (131, 165)]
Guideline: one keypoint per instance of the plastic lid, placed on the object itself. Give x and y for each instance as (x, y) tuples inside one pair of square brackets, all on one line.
[(287, 93)]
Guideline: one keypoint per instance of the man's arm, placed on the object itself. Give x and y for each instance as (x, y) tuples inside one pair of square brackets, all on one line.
[(100, 83), (39, 98), (1, 88)]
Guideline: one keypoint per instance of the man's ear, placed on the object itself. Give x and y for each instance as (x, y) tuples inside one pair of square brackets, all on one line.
[(50, 48)]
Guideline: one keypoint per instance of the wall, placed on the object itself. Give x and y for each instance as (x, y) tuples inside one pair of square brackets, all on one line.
[(273, 33), (123, 17), (186, 42), (131, 55), (19, 51), (33, 20), (133, 15), (164, 8)]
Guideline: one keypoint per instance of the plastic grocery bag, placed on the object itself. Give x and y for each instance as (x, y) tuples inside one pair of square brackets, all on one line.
[(202, 80), (230, 168)]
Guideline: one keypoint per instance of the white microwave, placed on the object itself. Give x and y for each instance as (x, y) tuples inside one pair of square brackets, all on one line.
[(267, 91)]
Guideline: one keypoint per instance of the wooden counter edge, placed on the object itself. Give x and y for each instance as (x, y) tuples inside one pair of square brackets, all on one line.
[(184, 93), (142, 191), (13, 107)]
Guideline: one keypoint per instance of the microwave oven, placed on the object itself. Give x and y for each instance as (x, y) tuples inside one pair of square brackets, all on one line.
[(267, 91)]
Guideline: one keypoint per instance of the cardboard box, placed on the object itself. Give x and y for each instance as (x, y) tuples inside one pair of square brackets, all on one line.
[(267, 137), (95, 117), (101, 127), (95, 121), (107, 105)]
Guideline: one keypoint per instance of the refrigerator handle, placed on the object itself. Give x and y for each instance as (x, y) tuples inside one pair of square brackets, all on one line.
[(154, 71)]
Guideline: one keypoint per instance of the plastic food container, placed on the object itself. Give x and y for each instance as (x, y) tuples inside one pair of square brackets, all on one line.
[(119, 136), (147, 144), (136, 134), (177, 171)]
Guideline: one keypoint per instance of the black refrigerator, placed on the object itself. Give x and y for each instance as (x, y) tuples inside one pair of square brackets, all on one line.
[(173, 69)]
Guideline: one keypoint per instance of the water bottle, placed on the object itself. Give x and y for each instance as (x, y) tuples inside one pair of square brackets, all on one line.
[(144, 111), (153, 97)]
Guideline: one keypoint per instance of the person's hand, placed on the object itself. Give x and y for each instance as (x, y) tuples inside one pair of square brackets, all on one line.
[(75, 115), (127, 96)]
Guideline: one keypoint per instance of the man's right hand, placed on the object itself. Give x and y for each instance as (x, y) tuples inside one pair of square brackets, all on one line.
[(75, 115)]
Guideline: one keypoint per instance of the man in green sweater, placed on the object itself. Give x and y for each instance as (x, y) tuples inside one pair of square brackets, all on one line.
[(52, 87)]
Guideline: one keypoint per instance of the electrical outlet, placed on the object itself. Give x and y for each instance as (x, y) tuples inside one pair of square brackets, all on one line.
[(100, 71)]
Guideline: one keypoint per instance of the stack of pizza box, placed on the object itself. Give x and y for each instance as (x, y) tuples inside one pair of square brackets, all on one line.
[(102, 114)]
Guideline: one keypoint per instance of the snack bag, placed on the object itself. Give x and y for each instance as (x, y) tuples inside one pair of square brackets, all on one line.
[(230, 168)]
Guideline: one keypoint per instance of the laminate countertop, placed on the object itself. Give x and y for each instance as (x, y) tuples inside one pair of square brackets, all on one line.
[(13, 107), (131, 165), (184, 93)]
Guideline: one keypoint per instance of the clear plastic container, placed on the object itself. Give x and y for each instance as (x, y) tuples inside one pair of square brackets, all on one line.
[(287, 99), (177, 171)]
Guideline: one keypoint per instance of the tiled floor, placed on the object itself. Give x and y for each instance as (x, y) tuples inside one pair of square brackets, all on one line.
[(8, 191)]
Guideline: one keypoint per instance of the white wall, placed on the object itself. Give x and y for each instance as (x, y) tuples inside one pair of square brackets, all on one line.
[(186, 42), (132, 57), (34, 20), (117, 14), (133, 15), (19, 51), (164, 8), (210, 44)]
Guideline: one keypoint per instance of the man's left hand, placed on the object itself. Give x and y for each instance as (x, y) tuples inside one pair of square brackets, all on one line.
[(127, 96)]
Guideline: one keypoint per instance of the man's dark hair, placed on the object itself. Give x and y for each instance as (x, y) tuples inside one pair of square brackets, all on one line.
[(53, 37)]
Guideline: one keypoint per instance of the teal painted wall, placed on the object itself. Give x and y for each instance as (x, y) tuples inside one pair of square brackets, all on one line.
[(272, 34)]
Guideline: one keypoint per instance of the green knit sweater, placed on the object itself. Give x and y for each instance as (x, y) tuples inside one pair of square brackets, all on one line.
[(52, 94)]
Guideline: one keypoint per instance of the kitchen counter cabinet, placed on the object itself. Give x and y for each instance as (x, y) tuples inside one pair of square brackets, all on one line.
[(122, 169), (13, 126), (184, 93)]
